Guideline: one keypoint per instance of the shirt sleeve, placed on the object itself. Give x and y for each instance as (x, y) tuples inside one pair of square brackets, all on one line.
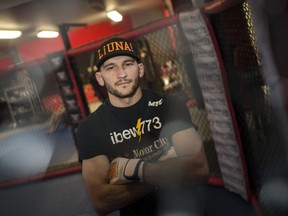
[(88, 143), (177, 116)]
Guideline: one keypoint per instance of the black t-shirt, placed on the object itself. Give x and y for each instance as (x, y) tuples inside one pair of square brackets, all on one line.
[(143, 130)]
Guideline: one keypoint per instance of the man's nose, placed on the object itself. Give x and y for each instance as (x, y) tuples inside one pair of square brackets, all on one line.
[(121, 72)]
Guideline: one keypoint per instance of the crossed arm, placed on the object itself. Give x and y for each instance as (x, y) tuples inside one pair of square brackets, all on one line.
[(107, 197)]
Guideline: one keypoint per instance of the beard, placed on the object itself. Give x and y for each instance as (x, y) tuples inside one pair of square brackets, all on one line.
[(119, 94)]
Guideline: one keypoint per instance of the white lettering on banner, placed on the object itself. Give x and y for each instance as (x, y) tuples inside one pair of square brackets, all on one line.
[(227, 149), (215, 101), (223, 135), (194, 17), (207, 65), (202, 53), (238, 183), (57, 60), (225, 141), (227, 145), (217, 111), (229, 168), (235, 187), (229, 159), (201, 31), (225, 126), (234, 176), (216, 89), (210, 79)]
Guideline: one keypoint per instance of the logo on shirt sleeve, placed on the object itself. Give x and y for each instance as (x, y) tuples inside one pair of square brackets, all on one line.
[(155, 103)]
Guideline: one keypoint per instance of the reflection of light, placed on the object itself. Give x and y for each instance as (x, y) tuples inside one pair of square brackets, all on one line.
[(274, 195), (166, 80), (25, 155), (115, 16), (265, 89), (247, 12), (89, 69), (47, 34), (9, 34)]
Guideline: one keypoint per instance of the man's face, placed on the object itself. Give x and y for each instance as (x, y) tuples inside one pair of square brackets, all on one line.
[(120, 75)]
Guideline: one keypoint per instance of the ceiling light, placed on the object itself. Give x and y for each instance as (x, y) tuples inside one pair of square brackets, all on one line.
[(115, 16), (9, 34), (47, 34)]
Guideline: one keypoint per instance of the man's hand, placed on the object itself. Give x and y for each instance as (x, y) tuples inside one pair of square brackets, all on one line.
[(123, 170)]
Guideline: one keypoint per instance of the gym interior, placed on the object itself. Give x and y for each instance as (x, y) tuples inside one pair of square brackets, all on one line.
[(225, 58)]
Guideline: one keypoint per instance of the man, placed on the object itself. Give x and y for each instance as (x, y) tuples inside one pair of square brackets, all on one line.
[(139, 149)]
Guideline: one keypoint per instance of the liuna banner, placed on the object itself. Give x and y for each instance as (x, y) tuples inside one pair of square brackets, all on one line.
[(210, 74)]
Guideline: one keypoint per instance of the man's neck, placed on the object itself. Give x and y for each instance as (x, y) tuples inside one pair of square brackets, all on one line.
[(125, 102)]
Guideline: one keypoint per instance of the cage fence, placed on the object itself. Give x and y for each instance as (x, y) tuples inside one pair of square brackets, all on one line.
[(163, 51), (169, 68), (35, 136), (263, 144)]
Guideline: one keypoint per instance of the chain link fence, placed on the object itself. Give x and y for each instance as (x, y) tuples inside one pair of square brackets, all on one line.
[(161, 43), (260, 133), (169, 68), (263, 144), (35, 136)]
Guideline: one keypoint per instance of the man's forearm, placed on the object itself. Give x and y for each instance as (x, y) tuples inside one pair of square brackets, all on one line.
[(176, 170)]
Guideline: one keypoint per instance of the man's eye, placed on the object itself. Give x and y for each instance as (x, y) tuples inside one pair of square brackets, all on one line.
[(109, 68), (127, 64)]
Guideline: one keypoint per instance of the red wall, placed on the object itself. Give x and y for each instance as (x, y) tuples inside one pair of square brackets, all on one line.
[(95, 32), (6, 62), (38, 48)]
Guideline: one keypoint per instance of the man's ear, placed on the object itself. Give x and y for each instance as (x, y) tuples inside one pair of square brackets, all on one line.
[(141, 69), (99, 78)]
